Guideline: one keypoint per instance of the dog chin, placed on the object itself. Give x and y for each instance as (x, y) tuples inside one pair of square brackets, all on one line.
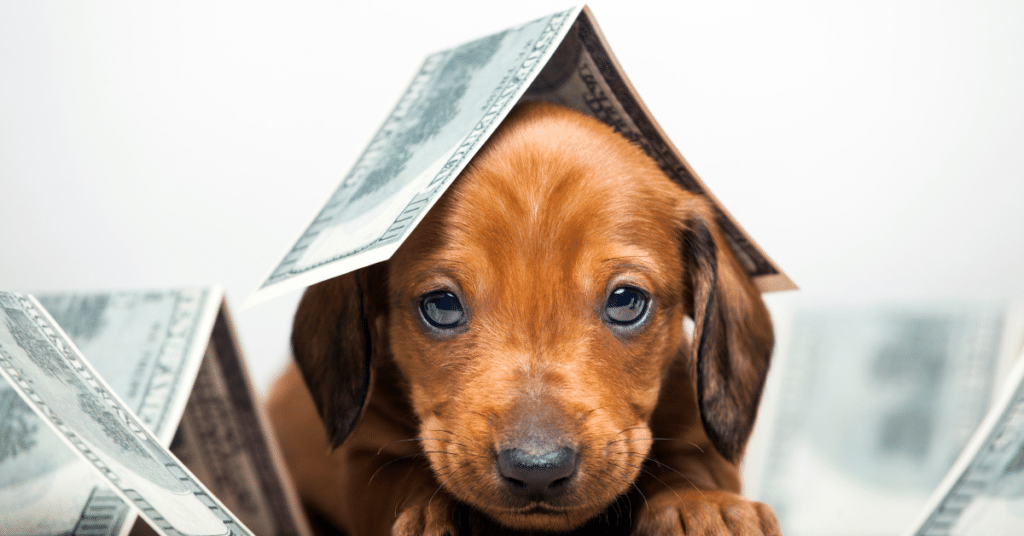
[(540, 518)]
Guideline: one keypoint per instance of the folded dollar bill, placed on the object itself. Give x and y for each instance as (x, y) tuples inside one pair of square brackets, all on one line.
[(868, 407), (168, 372), (983, 493), (453, 104)]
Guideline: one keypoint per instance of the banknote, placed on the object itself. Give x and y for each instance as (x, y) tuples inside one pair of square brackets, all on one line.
[(225, 440), (983, 494), (42, 364), (148, 346), (174, 346), (867, 408), (584, 74), (452, 105)]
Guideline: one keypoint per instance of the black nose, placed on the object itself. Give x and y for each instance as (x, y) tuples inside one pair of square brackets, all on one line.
[(539, 475)]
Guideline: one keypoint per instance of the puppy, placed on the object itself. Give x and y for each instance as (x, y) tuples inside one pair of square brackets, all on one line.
[(521, 363)]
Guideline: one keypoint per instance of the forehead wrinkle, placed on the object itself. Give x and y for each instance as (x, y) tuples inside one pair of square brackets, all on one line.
[(530, 291), (514, 226)]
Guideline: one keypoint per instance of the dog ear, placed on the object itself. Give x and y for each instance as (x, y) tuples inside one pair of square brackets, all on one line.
[(333, 338), (733, 334)]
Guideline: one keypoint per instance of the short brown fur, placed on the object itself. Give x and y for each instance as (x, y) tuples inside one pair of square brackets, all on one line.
[(553, 214)]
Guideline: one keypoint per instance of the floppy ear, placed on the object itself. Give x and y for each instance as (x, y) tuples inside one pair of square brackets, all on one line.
[(733, 334), (333, 339)]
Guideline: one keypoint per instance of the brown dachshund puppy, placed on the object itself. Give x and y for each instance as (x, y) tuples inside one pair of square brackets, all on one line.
[(521, 363)]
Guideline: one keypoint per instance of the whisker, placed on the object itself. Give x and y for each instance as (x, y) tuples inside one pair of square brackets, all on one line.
[(406, 457), (694, 445), (666, 466), (629, 507), (663, 482), (643, 439), (449, 441), (638, 490), (460, 485), (389, 462), (454, 473), (630, 500), (466, 490)]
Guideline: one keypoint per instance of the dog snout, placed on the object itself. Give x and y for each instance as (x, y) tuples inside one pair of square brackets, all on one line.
[(538, 458), (539, 474)]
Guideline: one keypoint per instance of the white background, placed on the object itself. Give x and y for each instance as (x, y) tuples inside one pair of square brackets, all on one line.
[(873, 149)]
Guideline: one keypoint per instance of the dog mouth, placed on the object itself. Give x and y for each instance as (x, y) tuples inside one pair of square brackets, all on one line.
[(543, 516), (539, 481), (541, 508)]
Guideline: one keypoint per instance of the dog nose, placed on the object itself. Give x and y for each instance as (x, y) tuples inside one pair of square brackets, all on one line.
[(539, 475)]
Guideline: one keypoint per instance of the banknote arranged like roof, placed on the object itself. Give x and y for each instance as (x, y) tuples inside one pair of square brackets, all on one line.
[(456, 100)]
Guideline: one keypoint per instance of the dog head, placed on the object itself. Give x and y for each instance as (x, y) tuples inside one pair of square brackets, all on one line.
[(535, 313)]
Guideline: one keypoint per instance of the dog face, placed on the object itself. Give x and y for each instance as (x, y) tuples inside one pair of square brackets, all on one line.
[(534, 315)]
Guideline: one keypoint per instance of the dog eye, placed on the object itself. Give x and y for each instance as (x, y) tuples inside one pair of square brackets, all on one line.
[(626, 305), (442, 309)]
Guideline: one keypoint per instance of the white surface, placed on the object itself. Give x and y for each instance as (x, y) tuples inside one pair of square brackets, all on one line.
[(873, 149)]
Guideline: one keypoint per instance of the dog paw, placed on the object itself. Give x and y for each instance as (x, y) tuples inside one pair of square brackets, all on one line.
[(704, 513), (431, 517)]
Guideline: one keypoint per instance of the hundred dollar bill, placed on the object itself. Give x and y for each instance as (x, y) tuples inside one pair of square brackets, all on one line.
[(42, 364), (584, 74), (983, 494), (148, 346), (453, 104), (867, 409), (226, 441)]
